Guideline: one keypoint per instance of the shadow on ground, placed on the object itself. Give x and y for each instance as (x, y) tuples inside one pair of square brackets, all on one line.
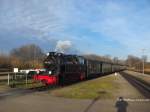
[(20, 92), (121, 105)]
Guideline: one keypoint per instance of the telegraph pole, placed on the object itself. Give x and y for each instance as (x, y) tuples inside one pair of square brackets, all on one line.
[(143, 59)]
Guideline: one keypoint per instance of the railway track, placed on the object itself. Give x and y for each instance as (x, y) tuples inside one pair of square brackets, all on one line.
[(141, 85)]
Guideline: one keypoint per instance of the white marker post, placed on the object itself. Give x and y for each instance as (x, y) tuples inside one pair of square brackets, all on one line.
[(8, 79), (15, 71)]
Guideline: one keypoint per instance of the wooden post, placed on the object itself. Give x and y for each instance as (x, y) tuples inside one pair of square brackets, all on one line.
[(26, 80)]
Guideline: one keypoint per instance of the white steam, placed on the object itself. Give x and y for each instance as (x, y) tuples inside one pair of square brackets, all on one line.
[(63, 46)]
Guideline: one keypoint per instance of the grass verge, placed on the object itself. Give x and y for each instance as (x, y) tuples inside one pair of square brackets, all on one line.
[(101, 88)]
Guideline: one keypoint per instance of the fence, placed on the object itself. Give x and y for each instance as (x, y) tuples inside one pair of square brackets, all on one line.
[(19, 80)]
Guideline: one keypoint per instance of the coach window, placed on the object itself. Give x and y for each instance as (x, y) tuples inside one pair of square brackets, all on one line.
[(81, 60)]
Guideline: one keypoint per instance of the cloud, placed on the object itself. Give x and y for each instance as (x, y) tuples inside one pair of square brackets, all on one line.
[(126, 23), (29, 15)]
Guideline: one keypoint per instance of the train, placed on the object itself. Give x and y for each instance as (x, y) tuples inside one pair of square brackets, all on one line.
[(67, 68)]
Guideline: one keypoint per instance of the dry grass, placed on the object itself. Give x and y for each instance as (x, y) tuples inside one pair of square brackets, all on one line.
[(103, 87)]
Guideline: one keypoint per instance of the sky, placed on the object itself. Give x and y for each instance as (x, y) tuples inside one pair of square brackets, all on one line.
[(104, 27)]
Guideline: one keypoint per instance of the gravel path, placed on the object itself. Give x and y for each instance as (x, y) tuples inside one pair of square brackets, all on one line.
[(43, 102)]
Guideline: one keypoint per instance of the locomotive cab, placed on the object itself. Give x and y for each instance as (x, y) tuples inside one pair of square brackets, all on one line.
[(63, 68)]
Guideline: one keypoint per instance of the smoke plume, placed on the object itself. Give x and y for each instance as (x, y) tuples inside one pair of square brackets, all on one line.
[(63, 46)]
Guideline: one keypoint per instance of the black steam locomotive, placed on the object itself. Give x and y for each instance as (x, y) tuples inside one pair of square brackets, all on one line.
[(63, 68)]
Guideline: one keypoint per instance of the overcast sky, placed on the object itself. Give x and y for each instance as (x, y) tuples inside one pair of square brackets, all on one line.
[(114, 27)]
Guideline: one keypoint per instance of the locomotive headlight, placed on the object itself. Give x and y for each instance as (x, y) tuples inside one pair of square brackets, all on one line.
[(49, 72)]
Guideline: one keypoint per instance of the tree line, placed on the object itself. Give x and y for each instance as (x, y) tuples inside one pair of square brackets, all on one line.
[(136, 63), (24, 57), (31, 56)]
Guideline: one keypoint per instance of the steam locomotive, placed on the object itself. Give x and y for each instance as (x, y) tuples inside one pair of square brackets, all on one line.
[(63, 68)]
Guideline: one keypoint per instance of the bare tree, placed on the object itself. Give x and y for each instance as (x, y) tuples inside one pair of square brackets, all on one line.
[(5, 64), (115, 59), (106, 58), (144, 57), (28, 56), (27, 52), (134, 63)]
